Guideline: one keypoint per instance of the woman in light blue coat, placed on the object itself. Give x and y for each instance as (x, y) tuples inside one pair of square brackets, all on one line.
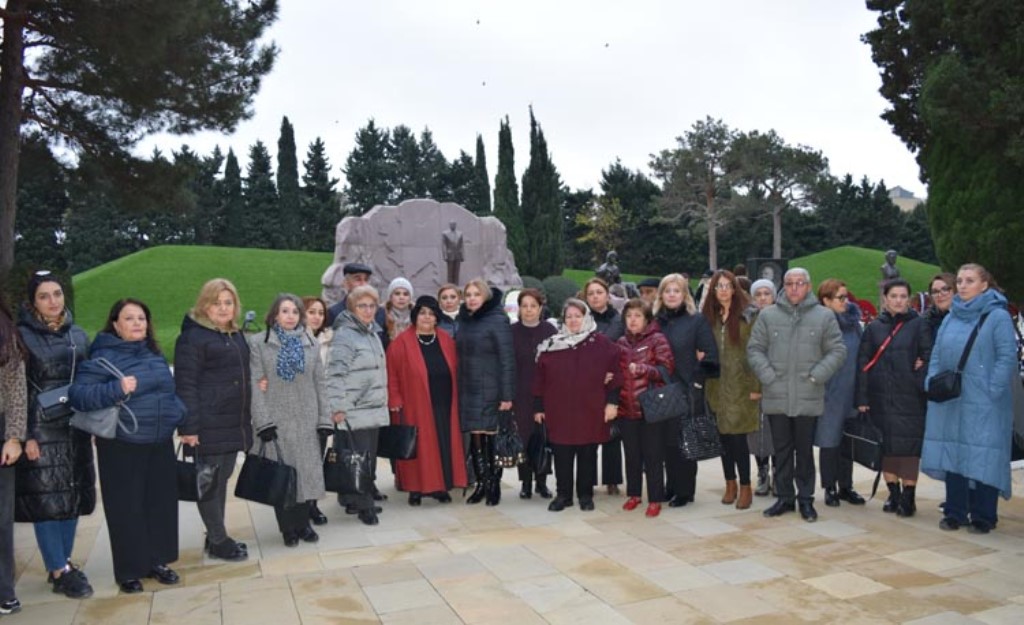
[(967, 439)]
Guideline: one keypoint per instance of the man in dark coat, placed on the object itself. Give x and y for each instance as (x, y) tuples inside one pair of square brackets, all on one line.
[(356, 274)]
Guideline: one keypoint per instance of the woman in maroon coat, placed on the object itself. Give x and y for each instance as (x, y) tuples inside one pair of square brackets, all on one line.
[(571, 395), (421, 392), (527, 333), (647, 362)]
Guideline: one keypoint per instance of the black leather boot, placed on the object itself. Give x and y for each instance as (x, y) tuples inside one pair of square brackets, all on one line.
[(893, 501), (526, 492), (482, 470), (542, 487), (494, 483), (907, 506)]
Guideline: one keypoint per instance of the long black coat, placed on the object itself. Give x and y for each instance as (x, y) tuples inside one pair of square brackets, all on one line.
[(486, 366), (892, 389), (687, 334), (61, 484), (610, 323), (211, 376)]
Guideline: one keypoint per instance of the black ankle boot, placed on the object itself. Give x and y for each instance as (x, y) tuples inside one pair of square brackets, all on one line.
[(526, 492), (482, 470), (907, 506), (893, 502), (542, 487)]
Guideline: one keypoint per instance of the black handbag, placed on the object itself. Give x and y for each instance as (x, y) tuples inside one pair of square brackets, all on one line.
[(508, 447), (945, 385), (538, 451), (397, 441), (196, 481), (862, 443), (698, 431), (347, 470), (664, 402), (53, 403), (267, 481)]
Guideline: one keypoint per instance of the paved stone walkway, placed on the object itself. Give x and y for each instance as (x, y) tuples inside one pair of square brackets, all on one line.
[(518, 563)]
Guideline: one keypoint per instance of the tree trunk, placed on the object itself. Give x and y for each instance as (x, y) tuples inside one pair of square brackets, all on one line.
[(12, 83), (712, 233), (777, 231)]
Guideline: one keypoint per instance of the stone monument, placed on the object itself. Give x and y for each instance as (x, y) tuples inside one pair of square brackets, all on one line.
[(609, 269), (403, 241)]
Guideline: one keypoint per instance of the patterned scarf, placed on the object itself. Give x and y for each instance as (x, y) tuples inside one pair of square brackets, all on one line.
[(291, 359)]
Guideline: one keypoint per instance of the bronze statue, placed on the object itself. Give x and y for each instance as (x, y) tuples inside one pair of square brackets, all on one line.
[(609, 270), (452, 251), (889, 270)]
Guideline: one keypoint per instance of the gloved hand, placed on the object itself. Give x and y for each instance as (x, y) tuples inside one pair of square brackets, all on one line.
[(323, 434), (268, 434)]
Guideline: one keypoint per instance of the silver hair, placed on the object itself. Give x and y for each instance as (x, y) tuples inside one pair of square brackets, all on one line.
[(798, 270)]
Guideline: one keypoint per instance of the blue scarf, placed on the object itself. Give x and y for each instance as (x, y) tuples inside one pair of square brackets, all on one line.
[(291, 359)]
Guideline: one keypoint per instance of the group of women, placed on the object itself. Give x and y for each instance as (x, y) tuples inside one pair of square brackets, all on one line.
[(457, 369)]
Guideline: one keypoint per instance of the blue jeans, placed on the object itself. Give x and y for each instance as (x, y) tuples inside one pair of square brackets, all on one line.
[(980, 502), (56, 540)]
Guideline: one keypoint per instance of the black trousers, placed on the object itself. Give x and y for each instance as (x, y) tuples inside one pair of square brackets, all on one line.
[(212, 511), (293, 519), (835, 469), (140, 501), (611, 462), (735, 457), (362, 440), (794, 456), (644, 444), (681, 473), (585, 459)]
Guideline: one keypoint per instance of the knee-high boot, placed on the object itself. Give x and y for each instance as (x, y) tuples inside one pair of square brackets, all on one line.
[(482, 468), (494, 485)]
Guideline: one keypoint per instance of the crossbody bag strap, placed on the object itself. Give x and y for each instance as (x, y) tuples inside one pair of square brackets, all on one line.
[(970, 344), (881, 348)]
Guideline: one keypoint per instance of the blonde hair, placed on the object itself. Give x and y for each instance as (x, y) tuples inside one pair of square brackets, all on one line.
[(208, 295), (679, 280), (481, 285)]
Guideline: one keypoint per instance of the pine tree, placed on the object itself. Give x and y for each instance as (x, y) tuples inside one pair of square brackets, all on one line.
[(479, 200), (42, 201), (321, 204), (458, 181), (262, 224), (288, 187), (232, 232), (367, 170), (432, 173), (542, 208), (506, 196), (404, 164)]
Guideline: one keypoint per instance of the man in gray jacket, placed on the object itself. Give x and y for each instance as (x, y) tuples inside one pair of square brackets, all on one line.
[(795, 347)]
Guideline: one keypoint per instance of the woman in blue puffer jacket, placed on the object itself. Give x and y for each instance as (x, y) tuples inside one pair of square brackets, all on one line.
[(137, 468), (967, 439)]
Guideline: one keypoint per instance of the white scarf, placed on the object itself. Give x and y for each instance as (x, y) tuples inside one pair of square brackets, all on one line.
[(567, 340)]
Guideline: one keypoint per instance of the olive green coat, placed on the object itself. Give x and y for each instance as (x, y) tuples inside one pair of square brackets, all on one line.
[(729, 394)]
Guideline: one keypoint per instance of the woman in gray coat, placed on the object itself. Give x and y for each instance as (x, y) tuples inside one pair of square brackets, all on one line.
[(357, 386), (288, 407)]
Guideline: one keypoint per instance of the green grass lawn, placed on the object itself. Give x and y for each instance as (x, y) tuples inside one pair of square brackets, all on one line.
[(168, 279)]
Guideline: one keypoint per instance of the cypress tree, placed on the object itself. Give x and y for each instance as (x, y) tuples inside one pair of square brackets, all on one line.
[(261, 226), (542, 208), (232, 204), (367, 169), (480, 190), (321, 204), (288, 187), (506, 196)]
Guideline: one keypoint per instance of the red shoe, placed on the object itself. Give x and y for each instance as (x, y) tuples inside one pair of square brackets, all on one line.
[(631, 504), (653, 510)]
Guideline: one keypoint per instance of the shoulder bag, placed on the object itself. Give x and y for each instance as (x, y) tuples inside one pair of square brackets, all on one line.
[(105, 421), (397, 441), (508, 447), (347, 470), (266, 481), (945, 385), (196, 481), (662, 403), (698, 431), (862, 443), (53, 403), (538, 450)]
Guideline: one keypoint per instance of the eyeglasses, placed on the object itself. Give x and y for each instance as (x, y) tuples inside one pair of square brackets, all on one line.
[(723, 287), (842, 298), (796, 284), (366, 306), (945, 290)]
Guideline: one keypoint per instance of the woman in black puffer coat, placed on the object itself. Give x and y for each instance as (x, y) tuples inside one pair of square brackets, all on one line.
[(486, 379), (890, 384), (55, 482), (211, 376)]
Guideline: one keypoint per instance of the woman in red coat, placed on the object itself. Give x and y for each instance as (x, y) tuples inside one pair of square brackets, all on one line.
[(647, 362), (571, 395), (421, 392)]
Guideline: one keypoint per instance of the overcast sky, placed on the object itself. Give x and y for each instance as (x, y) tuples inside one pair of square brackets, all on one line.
[(606, 79)]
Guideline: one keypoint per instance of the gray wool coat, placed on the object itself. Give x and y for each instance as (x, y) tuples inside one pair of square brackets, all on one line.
[(297, 409), (357, 377)]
